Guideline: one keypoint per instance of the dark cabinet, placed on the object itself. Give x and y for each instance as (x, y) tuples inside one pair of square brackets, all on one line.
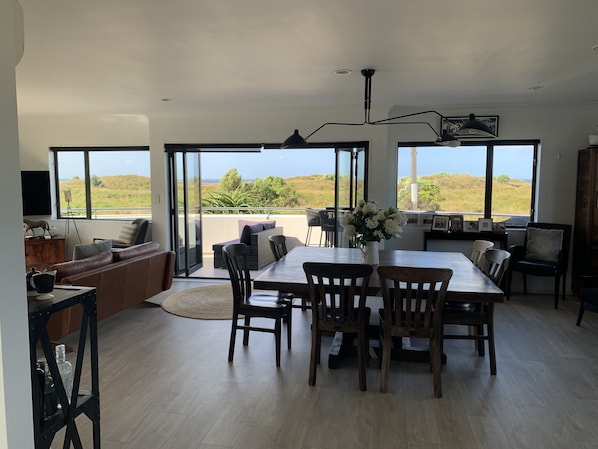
[(40, 253), (585, 233)]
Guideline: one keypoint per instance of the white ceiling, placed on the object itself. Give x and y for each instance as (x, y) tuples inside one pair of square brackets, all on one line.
[(124, 56)]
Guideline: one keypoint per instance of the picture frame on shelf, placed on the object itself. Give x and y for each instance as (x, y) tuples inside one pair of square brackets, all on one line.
[(411, 220), (452, 124), (456, 223), (470, 226), (499, 226), (440, 223), (485, 224), (425, 221)]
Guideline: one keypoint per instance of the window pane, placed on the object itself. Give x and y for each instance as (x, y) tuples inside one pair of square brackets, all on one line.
[(512, 183), (71, 184), (120, 184), (442, 179)]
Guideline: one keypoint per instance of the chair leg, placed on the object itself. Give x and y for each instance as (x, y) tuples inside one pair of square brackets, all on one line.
[(289, 327), (362, 358), (277, 332), (247, 323), (436, 359), (314, 357), (385, 363), (580, 314), (307, 237), (233, 334), (525, 283), (556, 292), (490, 330)]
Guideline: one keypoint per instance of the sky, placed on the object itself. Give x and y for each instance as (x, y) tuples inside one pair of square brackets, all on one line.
[(514, 161)]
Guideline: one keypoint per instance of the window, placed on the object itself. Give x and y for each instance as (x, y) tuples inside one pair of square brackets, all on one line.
[(477, 180), (102, 183)]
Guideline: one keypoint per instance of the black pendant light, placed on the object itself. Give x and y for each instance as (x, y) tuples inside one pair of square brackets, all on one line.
[(472, 128)]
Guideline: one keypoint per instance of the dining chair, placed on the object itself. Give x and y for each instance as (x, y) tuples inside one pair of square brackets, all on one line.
[(479, 247), (338, 293), (278, 246), (479, 314), (545, 252), (257, 305), (413, 302)]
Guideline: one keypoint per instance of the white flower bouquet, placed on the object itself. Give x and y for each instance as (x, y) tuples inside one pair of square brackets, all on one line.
[(368, 223)]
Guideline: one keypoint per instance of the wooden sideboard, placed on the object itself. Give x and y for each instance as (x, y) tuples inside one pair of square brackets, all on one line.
[(40, 253)]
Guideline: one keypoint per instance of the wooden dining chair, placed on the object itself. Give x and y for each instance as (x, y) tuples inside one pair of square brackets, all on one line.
[(479, 314), (258, 305), (479, 247), (338, 293), (413, 302), (278, 246)]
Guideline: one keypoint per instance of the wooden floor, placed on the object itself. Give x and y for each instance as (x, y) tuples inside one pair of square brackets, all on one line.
[(166, 383)]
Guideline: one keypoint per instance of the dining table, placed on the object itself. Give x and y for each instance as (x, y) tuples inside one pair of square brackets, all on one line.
[(468, 283)]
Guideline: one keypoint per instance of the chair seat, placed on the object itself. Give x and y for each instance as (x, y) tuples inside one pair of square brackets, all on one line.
[(535, 267), (266, 301)]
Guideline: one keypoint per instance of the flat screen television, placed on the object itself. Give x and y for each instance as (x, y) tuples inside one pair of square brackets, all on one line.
[(35, 186)]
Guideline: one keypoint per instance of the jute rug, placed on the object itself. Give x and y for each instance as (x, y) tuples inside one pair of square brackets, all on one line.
[(212, 302)]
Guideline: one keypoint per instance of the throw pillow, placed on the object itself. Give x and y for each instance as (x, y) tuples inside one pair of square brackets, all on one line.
[(543, 244), (91, 249), (127, 234), (269, 224), (248, 230)]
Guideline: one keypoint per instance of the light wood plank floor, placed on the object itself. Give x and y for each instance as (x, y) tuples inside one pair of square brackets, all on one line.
[(166, 383)]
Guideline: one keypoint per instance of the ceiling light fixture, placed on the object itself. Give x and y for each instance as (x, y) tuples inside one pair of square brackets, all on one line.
[(471, 128)]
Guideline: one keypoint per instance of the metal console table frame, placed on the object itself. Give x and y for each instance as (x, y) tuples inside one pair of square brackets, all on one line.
[(81, 401)]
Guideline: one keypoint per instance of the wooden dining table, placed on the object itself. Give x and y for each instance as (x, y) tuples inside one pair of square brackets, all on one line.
[(468, 283)]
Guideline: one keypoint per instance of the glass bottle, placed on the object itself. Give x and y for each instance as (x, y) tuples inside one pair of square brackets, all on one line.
[(65, 369), (50, 396)]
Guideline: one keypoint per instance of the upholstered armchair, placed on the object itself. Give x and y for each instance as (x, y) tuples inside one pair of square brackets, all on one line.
[(545, 252)]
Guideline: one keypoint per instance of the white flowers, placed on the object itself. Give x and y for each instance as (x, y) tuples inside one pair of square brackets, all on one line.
[(368, 223)]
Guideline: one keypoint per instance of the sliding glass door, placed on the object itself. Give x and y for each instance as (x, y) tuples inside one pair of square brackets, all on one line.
[(185, 211)]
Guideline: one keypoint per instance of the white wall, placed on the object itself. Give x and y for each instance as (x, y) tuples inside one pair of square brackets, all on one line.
[(16, 423)]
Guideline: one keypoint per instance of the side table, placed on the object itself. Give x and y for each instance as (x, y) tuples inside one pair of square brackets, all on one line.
[(81, 401)]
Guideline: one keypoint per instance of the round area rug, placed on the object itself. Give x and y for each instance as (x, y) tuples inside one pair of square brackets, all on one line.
[(212, 302)]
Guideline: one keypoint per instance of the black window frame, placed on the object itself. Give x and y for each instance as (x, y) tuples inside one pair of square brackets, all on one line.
[(490, 146), (87, 173)]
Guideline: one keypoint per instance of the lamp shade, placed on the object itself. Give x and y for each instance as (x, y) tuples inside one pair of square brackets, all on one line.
[(475, 128), (295, 140)]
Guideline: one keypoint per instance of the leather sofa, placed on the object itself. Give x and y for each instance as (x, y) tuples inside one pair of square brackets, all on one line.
[(122, 277), (255, 236)]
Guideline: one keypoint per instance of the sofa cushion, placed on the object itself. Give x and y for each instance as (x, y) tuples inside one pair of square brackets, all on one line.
[(91, 249), (66, 269), (543, 244), (134, 251), (128, 233), (248, 230)]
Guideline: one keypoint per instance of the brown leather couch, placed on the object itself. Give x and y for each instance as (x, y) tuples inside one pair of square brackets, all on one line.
[(122, 277)]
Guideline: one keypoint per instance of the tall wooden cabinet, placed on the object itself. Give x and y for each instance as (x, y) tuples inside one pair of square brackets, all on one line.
[(585, 234)]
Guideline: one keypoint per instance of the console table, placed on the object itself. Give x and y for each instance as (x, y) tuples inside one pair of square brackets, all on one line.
[(40, 253), (82, 401), (501, 237)]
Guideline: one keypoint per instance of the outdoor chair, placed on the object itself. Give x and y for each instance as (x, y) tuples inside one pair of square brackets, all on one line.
[(258, 305), (131, 234), (477, 315), (334, 289), (313, 221), (545, 252), (413, 303)]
